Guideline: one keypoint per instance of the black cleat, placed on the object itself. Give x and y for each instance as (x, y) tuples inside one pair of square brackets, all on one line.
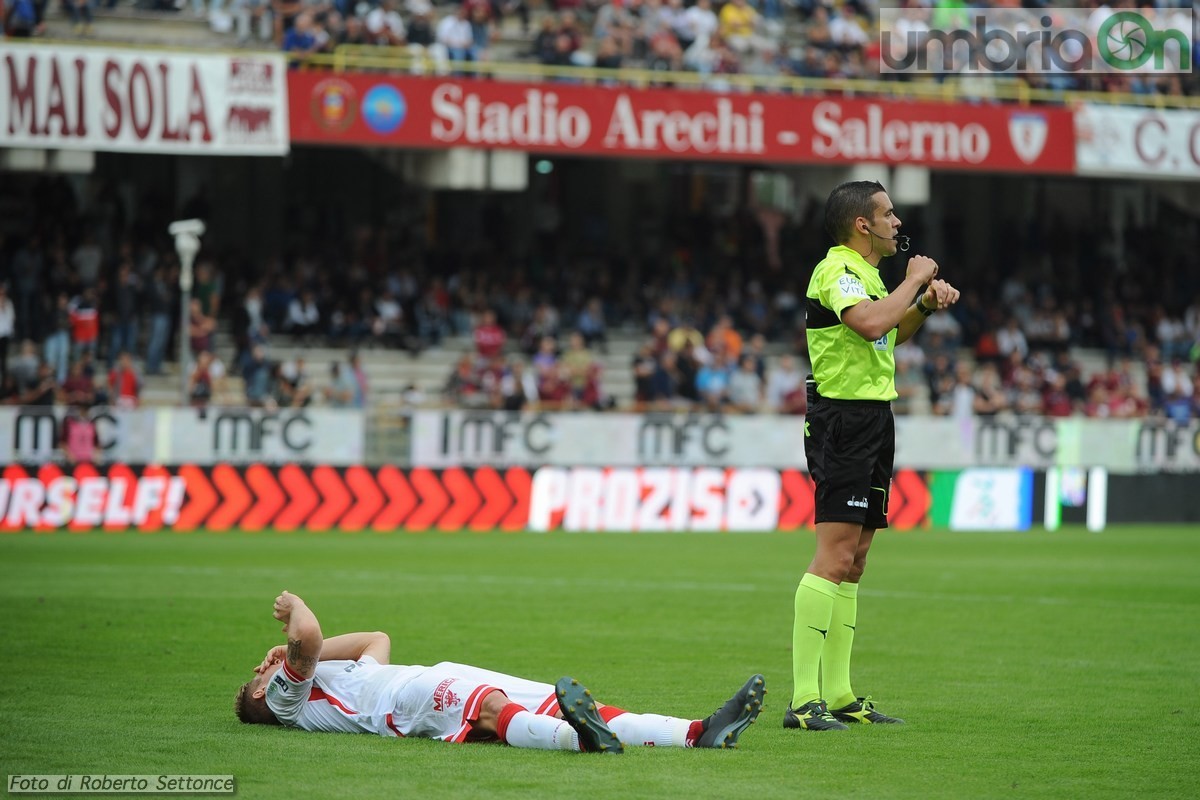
[(579, 710), (812, 716), (863, 710), (723, 727)]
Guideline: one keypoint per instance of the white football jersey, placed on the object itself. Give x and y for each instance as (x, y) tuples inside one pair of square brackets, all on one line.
[(342, 696)]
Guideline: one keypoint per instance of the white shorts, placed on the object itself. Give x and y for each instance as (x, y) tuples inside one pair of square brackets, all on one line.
[(441, 702)]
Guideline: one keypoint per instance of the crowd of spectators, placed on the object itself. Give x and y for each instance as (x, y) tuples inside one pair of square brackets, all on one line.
[(89, 310), (803, 38)]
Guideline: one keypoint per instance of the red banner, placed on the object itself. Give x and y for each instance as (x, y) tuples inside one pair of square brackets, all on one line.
[(400, 111), (323, 498)]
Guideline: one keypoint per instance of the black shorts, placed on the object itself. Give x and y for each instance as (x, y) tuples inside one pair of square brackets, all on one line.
[(850, 445)]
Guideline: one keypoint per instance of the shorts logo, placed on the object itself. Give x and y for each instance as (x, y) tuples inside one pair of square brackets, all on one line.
[(443, 698), (857, 502)]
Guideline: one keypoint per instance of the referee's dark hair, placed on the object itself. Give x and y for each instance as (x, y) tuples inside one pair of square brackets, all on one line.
[(847, 203)]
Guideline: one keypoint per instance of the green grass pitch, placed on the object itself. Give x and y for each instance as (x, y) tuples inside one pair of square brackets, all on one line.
[(1036, 665)]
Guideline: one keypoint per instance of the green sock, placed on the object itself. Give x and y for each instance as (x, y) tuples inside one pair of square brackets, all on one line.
[(814, 607), (835, 661)]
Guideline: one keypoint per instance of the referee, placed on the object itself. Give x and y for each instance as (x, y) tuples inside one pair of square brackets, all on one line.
[(854, 326)]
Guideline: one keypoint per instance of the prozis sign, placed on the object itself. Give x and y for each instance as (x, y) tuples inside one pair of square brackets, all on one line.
[(382, 110), (124, 100)]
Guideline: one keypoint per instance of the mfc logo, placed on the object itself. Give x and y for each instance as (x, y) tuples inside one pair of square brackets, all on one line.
[(487, 435), (236, 432), (667, 438), (1005, 442), (1159, 444), (35, 432)]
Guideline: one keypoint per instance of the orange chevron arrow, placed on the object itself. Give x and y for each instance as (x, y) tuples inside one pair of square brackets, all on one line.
[(303, 496), (497, 499), (202, 498), (465, 497), (368, 496), (800, 508), (400, 499), (335, 499), (910, 498), (434, 499), (269, 497), (520, 483), (236, 498)]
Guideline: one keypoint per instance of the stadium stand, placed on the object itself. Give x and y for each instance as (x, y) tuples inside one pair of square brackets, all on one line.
[(650, 332)]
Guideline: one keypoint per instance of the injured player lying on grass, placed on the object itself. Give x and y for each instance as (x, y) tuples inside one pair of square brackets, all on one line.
[(345, 684)]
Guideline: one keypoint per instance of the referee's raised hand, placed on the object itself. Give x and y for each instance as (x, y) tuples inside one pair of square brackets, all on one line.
[(940, 295), (923, 268)]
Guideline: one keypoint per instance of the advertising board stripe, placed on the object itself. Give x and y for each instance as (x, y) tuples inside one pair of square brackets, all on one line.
[(302, 498), (260, 497), (236, 498), (335, 499), (520, 483), (497, 499), (269, 497), (433, 499), (465, 500), (368, 499), (201, 499), (401, 499)]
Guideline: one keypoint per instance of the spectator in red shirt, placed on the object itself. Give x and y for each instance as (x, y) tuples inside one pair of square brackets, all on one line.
[(489, 337), (84, 316), (124, 383)]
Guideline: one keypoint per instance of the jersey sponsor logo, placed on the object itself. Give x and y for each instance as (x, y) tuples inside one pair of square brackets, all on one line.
[(443, 698), (851, 286), (882, 342)]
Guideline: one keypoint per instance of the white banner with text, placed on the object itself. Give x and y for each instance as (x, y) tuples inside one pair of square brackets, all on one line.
[(32, 435), (1137, 142), (475, 438), (109, 99)]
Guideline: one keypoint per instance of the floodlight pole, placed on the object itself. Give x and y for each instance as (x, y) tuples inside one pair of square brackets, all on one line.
[(187, 235)]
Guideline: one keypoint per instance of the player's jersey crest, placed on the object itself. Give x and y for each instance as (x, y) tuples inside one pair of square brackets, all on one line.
[(443, 697)]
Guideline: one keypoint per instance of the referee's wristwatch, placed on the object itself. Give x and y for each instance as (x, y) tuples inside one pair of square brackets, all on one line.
[(925, 310)]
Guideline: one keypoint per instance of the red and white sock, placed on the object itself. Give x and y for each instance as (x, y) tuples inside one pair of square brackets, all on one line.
[(649, 730), (521, 728)]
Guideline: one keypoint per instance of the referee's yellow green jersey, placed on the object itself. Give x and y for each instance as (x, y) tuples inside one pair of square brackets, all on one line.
[(845, 365)]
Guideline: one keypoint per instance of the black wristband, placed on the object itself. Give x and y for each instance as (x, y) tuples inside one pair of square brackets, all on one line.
[(928, 312)]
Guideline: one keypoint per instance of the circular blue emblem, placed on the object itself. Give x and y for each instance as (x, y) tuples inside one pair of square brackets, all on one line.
[(383, 108)]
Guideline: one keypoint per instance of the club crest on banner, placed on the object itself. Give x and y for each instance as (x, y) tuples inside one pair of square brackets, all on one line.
[(1027, 132)]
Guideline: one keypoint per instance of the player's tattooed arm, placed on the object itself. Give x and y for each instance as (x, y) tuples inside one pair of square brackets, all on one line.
[(297, 660), (303, 633)]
